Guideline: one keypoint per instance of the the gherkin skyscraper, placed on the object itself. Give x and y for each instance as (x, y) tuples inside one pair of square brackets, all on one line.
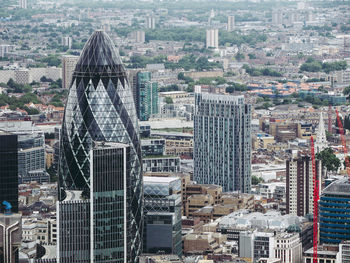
[(100, 108)]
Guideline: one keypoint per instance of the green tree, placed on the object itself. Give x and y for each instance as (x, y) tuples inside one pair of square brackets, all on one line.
[(256, 180), (239, 56), (329, 159), (251, 56), (168, 100), (346, 90), (31, 111)]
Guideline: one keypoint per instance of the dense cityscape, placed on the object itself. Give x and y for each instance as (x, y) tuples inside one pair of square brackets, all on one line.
[(158, 131)]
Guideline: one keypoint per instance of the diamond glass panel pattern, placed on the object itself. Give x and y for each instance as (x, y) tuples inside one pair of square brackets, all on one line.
[(100, 107)]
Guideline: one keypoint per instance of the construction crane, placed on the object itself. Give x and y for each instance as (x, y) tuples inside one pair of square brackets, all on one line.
[(343, 141), (317, 183), (316, 198)]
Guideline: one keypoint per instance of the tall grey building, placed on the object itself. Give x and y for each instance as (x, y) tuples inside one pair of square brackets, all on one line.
[(150, 22), (89, 235), (230, 23), (100, 107), (31, 151), (212, 38), (162, 205), (222, 141)]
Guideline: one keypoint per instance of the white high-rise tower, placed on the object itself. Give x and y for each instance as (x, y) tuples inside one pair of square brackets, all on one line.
[(212, 39), (230, 23), (321, 139)]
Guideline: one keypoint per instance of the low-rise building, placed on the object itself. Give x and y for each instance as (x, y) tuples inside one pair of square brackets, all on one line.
[(196, 202), (206, 242)]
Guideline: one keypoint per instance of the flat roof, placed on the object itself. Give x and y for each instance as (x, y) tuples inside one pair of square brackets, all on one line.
[(154, 179), (19, 127), (341, 187), (102, 144)]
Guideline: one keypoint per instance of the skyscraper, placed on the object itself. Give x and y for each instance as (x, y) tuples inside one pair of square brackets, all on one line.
[(212, 39), (68, 66), (146, 96), (98, 231), (150, 22), (8, 170), (31, 151), (222, 141), (334, 212), (300, 185), (10, 224), (230, 23), (100, 107)]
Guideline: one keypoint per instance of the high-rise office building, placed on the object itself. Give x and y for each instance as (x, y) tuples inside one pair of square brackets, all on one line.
[(99, 227), (10, 224), (335, 213), (222, 141), (100, 107), (212, 39), (68, 66), (8, 170), (300, 185), (230, 23), (150, 22), (67, 42), (146, 96), (31, 151), (162, 208), (23, 4)]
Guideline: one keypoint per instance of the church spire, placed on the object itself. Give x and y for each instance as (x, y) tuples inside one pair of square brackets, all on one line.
[(321, 140)]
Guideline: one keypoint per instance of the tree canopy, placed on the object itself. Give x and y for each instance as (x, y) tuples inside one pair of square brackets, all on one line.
[(328, 159), (312, 65)]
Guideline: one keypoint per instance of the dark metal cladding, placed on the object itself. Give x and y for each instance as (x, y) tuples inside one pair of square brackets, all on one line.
[(100, 107)]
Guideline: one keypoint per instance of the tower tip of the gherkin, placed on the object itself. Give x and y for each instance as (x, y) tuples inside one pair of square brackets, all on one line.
[(99, 50)]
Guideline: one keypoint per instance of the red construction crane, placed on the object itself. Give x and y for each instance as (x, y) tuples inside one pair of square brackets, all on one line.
[(343, 141), (316, 198)]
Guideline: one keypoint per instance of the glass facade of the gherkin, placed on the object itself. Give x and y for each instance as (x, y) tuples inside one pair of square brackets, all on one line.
[(100, 107)]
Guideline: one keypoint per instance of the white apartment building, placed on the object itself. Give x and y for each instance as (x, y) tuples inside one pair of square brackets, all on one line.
[(212, 39), (68, 66)]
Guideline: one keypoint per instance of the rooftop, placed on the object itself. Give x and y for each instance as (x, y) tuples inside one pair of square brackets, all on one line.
[(269, 220), (341, 187), (153, 179), (18, 127)]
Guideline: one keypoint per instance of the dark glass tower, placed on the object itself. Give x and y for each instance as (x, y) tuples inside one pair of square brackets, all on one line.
[(9, 170), (100, 107), (10, 226)]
